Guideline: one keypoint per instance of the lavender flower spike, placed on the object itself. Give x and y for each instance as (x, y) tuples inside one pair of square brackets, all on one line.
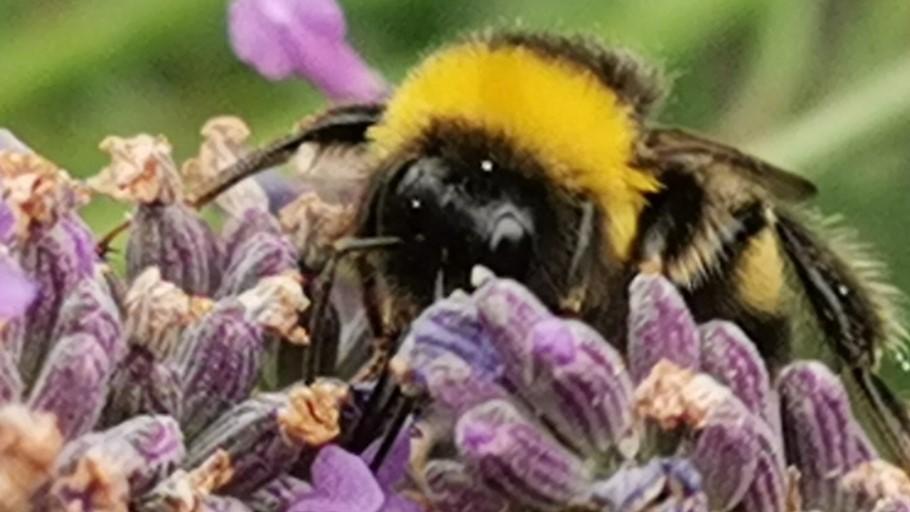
[(18, 290), (166, 233), (303, 38)]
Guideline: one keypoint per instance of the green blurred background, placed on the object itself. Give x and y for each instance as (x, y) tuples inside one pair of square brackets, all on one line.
[(819, 86)]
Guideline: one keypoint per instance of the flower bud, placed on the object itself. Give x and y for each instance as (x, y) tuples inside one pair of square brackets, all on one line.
[(731, 358), (141, 384), (265, 436), (769, 489), (73, 383), (450, 327), (90, 309), (451, 488), (580, 385), (56, 259), (508, 312), (822, 437), (519, 458), (175, 239), (262, 254), (218, 362), (659, 326), (18, 289), (142, 449), (726, 455)]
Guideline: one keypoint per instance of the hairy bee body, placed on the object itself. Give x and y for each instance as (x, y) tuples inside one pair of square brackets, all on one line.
[(536, 156)]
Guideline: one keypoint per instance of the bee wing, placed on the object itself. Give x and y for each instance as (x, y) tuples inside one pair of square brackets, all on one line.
[(338, 133), (668, 143)]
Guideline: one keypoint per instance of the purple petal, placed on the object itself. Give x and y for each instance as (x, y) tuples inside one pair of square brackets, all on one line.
[(770, 487), (580, 385), (660, 326), (73, 383), (520, 459), (452, 488), (18, 291), (175, 239), (729, 356), (278, 494), (822, 437), (341, 482), (305, 38)]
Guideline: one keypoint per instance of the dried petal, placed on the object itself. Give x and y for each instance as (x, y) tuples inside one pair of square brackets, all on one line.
[(218, 362), (175, 239), (314, 225), (29, 444), (313, 414), (674, 396), (37, 192), (452, 488), (871, 482), (822, 437), (579, 384), (157, 312), (142, 384), (9, 141), (901, 504), (278, 495), (660, 326), (141, 170), (56, 259), (73, 383), (189, 490), (251, 434), (226, 140), (520, 459), (305, 39), (275, 304), (341, 482), (256, 255), (143, 449), (94, 483)]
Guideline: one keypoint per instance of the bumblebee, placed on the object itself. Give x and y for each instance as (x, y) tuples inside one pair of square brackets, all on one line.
[(537, 156)]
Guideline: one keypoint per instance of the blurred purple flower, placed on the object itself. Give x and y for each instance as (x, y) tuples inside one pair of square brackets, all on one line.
[(18, 291), (302, 38), (341, 482)]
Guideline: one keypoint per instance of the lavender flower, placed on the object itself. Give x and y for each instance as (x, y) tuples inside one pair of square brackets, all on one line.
[(302, 38)]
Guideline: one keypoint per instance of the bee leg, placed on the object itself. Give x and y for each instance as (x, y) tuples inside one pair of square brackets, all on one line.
[(316, 361), (572, 302), (385, 335)]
